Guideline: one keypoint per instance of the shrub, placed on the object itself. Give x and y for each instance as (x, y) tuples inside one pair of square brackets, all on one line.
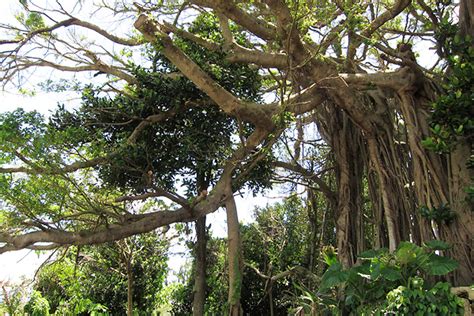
[(415, 299), (37, 305), (367, 285)]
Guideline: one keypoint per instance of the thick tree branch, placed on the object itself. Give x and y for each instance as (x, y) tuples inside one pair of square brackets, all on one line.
[(140, 223), (397, 80), (240, 54), (257, 26), (190, 36), (57, 170), (388, 15), (259, 115), (235, 52)]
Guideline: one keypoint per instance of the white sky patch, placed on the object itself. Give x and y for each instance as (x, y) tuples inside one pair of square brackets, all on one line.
[(42, 102), (20, 264)]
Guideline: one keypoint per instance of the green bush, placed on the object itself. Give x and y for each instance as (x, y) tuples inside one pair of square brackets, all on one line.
[(415, 299), (367, 285), (37, 305)]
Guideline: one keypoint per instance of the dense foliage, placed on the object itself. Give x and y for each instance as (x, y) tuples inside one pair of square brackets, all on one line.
[(368, 284), (274, 244), (95, 278)]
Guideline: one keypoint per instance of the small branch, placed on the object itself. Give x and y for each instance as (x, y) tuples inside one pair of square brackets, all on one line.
[(152, 119), (280, 275), (308, 175), (158, 193)]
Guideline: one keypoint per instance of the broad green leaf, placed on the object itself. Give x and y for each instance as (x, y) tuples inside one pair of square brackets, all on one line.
[(407, 252), (437, 245), (438, 265), (372, 253), (391, 274), (333, 276)]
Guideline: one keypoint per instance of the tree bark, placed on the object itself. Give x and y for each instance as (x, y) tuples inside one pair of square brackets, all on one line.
[(459, 233), (391, 217), (466, 18), (346, 141), (234, 255), (129, 287), (199, 299)]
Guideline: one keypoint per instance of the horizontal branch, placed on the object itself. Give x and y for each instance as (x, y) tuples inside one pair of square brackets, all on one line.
[(135, 224), (396, 80), (109, 36), (152, 119), (280, 275), (140, 223), (57, 170), (240, 54)]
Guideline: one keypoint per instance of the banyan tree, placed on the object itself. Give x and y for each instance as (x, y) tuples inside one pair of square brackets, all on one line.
[(386, 86)]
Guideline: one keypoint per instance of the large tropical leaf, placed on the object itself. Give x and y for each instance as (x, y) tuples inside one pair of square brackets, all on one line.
[(333, 276), (438, 265), (437, 245)]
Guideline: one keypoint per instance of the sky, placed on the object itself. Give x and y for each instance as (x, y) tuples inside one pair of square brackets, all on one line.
[(18, 264)]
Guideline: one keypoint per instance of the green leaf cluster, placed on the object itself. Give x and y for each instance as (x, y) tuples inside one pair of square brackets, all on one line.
[(441, 215), (37, 305), (452, 113), (93, 279), (417, 299), (382, 271), (192, 144)]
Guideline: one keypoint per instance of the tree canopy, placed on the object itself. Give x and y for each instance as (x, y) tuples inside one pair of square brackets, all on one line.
[(365, 105)]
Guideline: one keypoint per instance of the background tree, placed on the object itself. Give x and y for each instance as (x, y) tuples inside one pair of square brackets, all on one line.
[(276, 250), (102, 274)]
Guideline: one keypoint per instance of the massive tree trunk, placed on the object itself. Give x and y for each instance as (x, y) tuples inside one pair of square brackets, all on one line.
[(375, 122), (347, 144), (347, 148), (459, 232)]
